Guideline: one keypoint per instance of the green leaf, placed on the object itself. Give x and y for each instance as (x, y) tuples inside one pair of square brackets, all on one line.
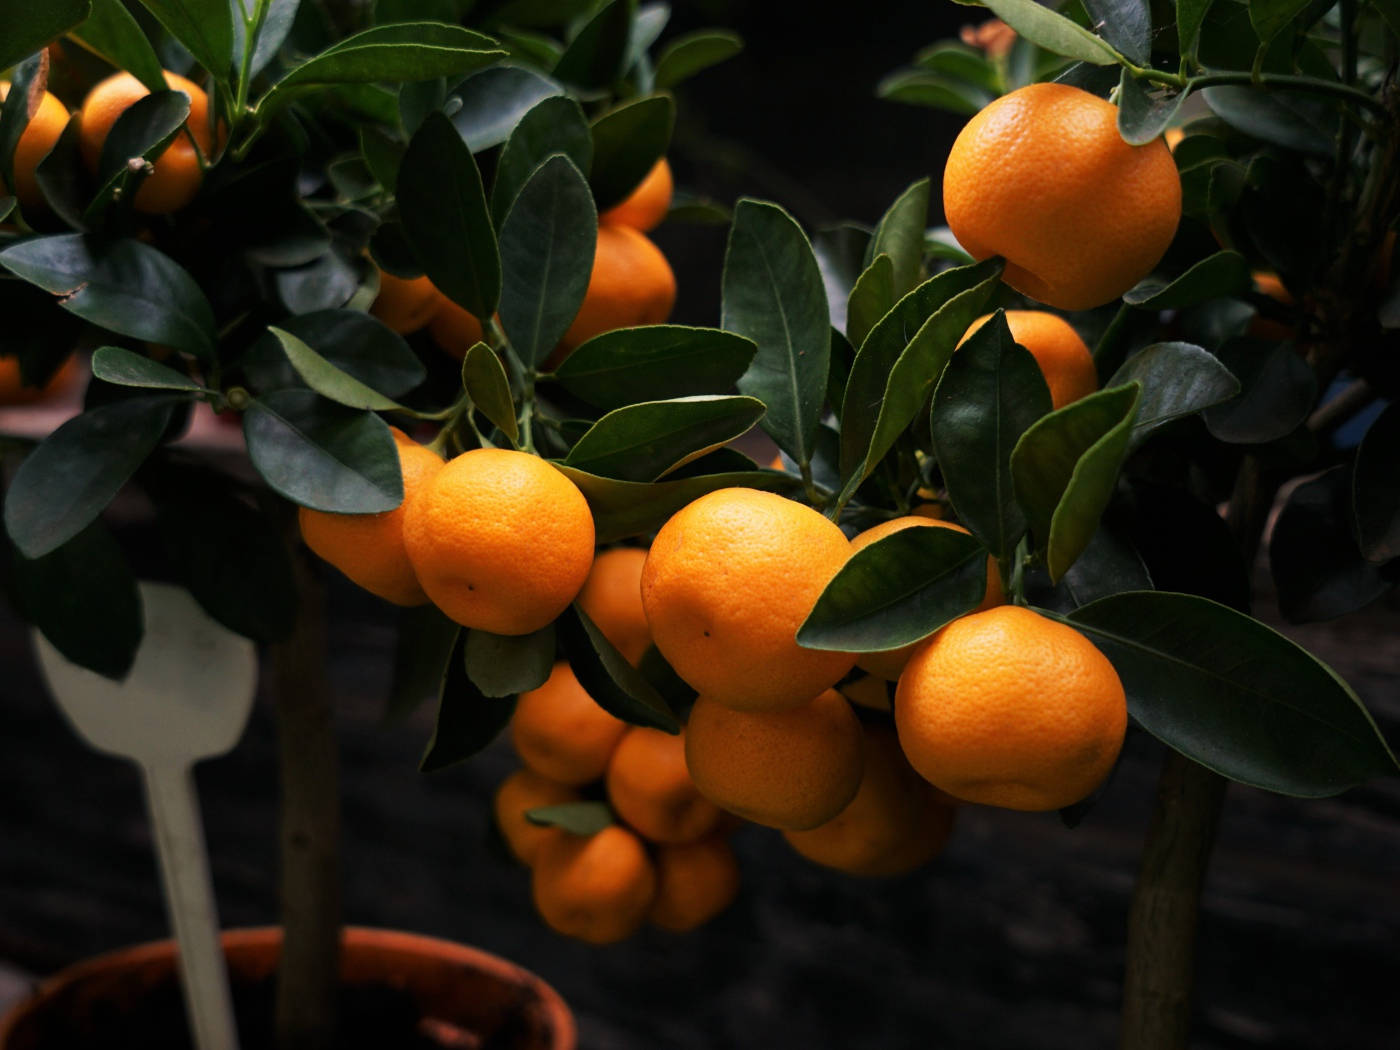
[(144, 129), (872, 297), (467, 720), (627, 143), (606, 676), (644, 442), (897, 591), (919, 88), (772, 293), (991, 392), (205, 27), (547, 245), (577, 818), (123, 286), (1108, 565), (502, 665), (322, 455), (900, 235), (595, 57), (275, 29), (553, 125), (1177, 379), (1271, 17), (840, 252), (1277, 391), (654, 363), (1303, 124), (1052, 31), (63, 178), (328, 282), (1189, 16), (443, 207), (495, 100), (355, 342), (125, 368), (70, 476), (1145, 110), (1235, 695), (1065, 468), (486, 383), (1376, 488), (114, 34), (687, 55), (960, 62), (7, 205), (1126, 24), (14, 115), (29, 26), (1224, 273), (382, 155), (422, 646), (328, 380)]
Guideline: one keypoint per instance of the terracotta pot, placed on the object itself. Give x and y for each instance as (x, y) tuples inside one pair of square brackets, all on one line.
[(461, 994)]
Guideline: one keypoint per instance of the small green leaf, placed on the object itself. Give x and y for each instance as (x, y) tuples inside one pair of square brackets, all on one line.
[(961, 62), (646, 441), (1145, 110), (900, 235), (553, 125), (1235, 695), (1376, 488), (577, 818), (1065, 468), (205, 27), (840, 252), (687, 55), (114, 34), (486, 383), (502, 665), (654, 363), (328, 380), (322, 455), (356, 343), (608, 678), (422, 646), (1177, 379), (595, 57), (1224, 273), (467, 720), (627, 142), (1053, 31), (125, 368), (919, 88), (897, 591), (495, 100), (872, 297), (29, 26), (1277, 391)]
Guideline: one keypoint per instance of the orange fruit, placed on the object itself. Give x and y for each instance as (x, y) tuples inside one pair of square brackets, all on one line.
[(454, 328), (631, 284), (47, 119), (1042, 177), (869, 691), (1009, 708), (561, 733), (728, 581), (406, 305), (178, 174), (890, 663), (1063, 357), (500, 540), (519, 793), (646, 205), (897, 822), (369, 548), (596, 888), (14, 392), (793, 768), (695, 881), (650, 788), (612, 599)]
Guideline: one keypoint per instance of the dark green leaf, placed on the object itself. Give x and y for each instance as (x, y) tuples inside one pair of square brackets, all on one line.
[(533, 49), (443, 207), (577, 818), (606, 676), (961, 62), (687, 55), (355, 342), (1234, 695), (900, 235), (205, 27), (1065, 468), (15, 115), (29, 26), (1224, 273), (507, 665), (595, 57), (124, 286), (1177, 379), (898, 590), (486, 383), (275, 28), (419, 98), (422, 646), (328, 282), (7, 205), (547, 245), (322, 455), (1126, 24), (1108, 565), (467, 720), (143, 130), (70, 476), (872, 297), (1189, 16), (382, 154), (1270, 17), (125, 368), (495, 100), (840, 252), (1277, 392), (1053, 31), (627, 143), (554, 125), (646, 441), (1376, 488), (114, 34), (919, 88), (327, 380), (1279, 117), (654, 363), (772, 293), (1145, 110), (63, 178)]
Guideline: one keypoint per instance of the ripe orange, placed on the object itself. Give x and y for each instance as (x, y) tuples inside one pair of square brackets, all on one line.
[(14, 392), (1042, 177), (519, 793), (793, 768), (631, 284), (500, 540), (1009, 708), (1063, 357), (897, 822), (612, 599), (729, 579), (650, 788), (406, 305), (695, 881), (597, 888), (453, 328), (889, 664), (178, 174), (646, 205), (561, 733), (369, 548), (47, 119)]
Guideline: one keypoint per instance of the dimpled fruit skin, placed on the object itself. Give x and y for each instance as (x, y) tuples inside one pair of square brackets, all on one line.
[(631, 284), (1042, 177), (597, 888), (728, 581), (405, 304), (650, 788), (519, 793), (612, 599), (695, 881), (794, 768), (500, 540), (369, 548), (561, 733), (1063, 357), (1009, 708)]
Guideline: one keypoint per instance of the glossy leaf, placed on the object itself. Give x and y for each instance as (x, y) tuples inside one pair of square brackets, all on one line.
[(205, 27), (1224, 273), (897, 590), (553, 125), (1177, 379), (1108, 565), (354, 342), (627, 142), (29, 26), (70, 476), (1376, 488), (113, 33), (1126, 24), (960, 62), (840, 252), (443, 207), (329, 381), (547, 243), (507, 665), (1277, 392), (1271, 17), (486, 383), (144, 129), (1235, 695), (328, 282), (382, 154), (772, 293), (276, 26), (112, 364), (1053, 31), (423, 644), (654, 363), (920, 88), (1189, 16), (495, 101), (1296, 123), (872, 297), (900, 235), (1065, 468), (646, 441), (577, 818), (1145, 110), (322, 455), (467, 720), (687, 55), (595, 57), (15, 114), (614, 684)]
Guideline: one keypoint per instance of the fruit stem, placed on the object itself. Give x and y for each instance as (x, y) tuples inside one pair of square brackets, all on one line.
[(252, 29)]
